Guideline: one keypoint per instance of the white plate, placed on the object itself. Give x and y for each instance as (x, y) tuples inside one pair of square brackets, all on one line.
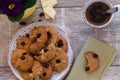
[(23, 31)]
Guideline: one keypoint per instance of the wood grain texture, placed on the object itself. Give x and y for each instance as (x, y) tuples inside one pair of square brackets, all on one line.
[(112, 74), (70, 19), (78, 3), (73, 23), (6, 74)]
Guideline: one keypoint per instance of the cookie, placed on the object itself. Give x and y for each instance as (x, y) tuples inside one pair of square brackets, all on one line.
[(33, 73), (24, 43), (47, 71), (36, 47), (92, 62), (62, 43), (46, 54), (21, 60), (52, 34), (38, 35), (60, 62), (26, 76)]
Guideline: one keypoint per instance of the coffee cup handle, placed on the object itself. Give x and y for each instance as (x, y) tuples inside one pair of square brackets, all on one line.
[(118, 7)]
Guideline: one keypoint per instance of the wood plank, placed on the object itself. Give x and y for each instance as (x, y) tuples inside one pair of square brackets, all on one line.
[(111, 74), (76, 3), (6, 74), (79, 3), (71, 20)]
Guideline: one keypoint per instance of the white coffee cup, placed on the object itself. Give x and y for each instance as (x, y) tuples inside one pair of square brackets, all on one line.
[(107, 2)]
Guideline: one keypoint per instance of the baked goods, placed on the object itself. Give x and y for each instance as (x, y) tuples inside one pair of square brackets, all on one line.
[(38, 35), (93, 62), (20, 59), (41, 49), (34, 72), (36, 47), (46, 54), (62, 43), (24, 42), (47, 71), (52, 34), (60, 61)]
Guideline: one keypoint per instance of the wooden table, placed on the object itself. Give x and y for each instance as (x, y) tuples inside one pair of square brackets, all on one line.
[(69, 17)]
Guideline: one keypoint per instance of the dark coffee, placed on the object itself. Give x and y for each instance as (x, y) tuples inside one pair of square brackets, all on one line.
[(96, 15)]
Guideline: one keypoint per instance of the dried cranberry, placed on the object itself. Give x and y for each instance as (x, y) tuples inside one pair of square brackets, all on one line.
[(22, 57), (44, 74), (22, 43), (38, 35), (49, 35), (95, 55), (58, 61), (27, 35), (45, 49), (23, 23), (30, 70), (87, 68), (46, 65), (39, 20), (33, 78), (41, 14), (24, 53), (60, 43)]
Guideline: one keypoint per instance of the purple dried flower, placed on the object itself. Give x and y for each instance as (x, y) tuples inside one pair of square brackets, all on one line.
[(11, 7)]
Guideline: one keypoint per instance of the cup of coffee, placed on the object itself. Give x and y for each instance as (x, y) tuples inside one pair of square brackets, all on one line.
[(95, 13)]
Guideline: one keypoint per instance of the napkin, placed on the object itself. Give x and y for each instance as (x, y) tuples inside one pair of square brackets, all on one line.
[(106, 55)]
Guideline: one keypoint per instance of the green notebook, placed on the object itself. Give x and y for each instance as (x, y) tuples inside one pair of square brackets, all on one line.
[(106, 55)]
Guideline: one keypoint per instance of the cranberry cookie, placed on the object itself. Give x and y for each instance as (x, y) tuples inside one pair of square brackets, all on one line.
[(62, 43), (47, 71), (21, 60), (38, 35), (46, 54), (60, 62), (92, 62), (52, 34), (36, 47), (24, 43), (33, 73)]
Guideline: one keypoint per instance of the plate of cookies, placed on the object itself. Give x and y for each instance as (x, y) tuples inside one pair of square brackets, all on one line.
[(40, 52)]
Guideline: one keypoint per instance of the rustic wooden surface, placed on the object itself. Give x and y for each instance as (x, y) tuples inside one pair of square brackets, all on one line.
[(70, 18)]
